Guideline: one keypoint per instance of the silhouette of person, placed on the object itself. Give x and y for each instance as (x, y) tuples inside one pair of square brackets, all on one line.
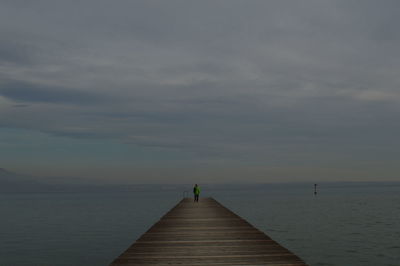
[(196, 192)]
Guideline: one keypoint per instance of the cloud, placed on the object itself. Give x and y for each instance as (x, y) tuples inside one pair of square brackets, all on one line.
[(13, 53), (227, 80), (376, 95), (28, 93)]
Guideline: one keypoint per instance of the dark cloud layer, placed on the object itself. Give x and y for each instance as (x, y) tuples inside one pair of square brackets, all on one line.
[(279, 84), (29, 93)]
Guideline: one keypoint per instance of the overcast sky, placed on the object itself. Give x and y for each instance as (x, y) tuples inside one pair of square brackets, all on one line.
[(201, 91)]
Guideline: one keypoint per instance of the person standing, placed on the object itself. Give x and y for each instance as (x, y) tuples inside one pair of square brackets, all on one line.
[(196, 192)]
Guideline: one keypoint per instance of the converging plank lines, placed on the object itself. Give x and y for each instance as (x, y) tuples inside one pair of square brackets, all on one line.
[(205, 233)]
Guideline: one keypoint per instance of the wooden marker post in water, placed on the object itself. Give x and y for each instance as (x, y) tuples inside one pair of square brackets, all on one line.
[(315, 189)]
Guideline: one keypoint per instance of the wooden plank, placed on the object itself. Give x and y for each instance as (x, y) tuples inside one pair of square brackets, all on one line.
[(205, 233)]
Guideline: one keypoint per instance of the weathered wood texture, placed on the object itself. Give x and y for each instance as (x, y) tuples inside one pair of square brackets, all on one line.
[(205, 233)]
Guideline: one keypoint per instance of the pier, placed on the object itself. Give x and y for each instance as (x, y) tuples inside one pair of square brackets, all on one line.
[(205, 233)]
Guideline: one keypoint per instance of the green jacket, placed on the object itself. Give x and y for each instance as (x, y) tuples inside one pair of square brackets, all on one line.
[(196, 190)]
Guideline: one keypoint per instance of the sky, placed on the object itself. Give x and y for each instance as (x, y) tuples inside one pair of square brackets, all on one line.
[(201, 91)]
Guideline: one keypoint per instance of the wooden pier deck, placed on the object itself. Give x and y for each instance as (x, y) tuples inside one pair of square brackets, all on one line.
[(205, 233)]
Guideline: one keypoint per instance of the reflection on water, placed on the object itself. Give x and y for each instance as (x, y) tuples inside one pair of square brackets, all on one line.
[(345, 224), (75, 228), (342, 225)]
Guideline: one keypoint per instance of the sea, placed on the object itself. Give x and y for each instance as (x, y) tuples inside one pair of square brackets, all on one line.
[(345, 224)]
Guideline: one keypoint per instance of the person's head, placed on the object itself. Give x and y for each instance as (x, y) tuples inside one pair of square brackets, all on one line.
[(195, 185)]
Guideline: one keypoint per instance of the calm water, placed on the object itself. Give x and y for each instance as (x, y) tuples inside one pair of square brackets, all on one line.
[(345, 224)]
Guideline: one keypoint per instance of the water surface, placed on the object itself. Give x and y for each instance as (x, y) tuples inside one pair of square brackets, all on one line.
[(345, 224)]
